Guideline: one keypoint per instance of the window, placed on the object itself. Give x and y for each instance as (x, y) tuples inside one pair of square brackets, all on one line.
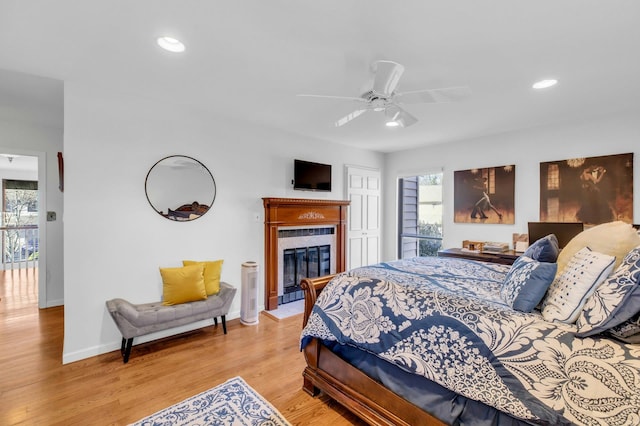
[(20, 239), (420, 215)]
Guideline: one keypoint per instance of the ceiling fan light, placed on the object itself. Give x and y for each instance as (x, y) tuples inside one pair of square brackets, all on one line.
[(171, 44), (392, 124), (543, 84)]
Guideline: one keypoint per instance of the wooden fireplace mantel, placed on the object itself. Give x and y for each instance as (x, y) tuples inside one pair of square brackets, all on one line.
[(279, 212)]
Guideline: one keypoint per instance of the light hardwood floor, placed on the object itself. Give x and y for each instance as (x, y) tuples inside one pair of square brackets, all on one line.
[(36, 389)]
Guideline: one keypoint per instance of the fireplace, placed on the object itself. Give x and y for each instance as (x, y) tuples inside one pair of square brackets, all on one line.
[(303, 252), (304, 226)]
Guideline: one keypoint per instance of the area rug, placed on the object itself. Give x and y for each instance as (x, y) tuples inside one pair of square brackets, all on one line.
[(233, 402)]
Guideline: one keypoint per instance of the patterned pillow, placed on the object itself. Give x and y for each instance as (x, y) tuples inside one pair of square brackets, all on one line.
[(544, 250), (526, 283), (615, 301), (628, 331), (570, 290)]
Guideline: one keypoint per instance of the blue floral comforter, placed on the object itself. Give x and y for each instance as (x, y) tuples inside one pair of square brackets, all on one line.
[(443, 318)]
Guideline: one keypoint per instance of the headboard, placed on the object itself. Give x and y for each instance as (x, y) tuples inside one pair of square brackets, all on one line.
[(564, 231)]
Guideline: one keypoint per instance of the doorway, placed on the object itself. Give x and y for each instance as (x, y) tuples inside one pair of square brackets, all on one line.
[(21, 242)]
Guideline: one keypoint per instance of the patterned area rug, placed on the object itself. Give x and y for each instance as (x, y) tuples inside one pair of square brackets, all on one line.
[(233, 402)]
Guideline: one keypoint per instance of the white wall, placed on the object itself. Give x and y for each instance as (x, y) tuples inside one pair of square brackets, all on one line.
[(115, 242), (525, 149), (20, 136)]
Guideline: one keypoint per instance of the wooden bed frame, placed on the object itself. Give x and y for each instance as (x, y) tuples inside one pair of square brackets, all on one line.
[(365, 397)]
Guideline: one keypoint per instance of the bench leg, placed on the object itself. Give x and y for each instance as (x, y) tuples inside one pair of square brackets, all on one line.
[(224, 324), (215, 320), (126, 351)]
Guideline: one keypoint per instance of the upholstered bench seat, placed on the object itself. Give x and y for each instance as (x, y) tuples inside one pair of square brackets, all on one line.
[(134, 320)]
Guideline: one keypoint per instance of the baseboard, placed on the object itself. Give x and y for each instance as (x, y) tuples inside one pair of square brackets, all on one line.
[(107, 347), (54, 303)]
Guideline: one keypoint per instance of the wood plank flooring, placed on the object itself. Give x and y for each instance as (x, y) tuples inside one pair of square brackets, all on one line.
[(36, 389)]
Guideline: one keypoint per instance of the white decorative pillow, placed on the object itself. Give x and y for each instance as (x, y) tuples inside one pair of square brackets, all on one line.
[(570, 290)]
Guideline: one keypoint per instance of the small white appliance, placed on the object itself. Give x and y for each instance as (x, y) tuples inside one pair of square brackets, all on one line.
[(249, 307)]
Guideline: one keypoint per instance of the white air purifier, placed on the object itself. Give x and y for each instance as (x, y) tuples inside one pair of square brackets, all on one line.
[(249, 307)]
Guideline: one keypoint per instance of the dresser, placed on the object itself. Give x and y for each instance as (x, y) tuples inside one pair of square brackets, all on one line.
[(504, 258)]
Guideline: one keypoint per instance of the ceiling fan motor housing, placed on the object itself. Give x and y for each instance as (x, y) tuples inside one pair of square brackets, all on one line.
[(377, 102)]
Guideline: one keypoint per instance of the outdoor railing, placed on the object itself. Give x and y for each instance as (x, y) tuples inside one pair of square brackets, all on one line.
[(20, 245), (419, 245)]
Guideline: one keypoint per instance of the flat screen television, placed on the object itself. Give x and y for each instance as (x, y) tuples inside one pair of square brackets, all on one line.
[(564, 231), (309, 176)]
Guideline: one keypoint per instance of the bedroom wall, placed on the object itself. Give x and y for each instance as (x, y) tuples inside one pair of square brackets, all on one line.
[(526, 149), (115, 242)]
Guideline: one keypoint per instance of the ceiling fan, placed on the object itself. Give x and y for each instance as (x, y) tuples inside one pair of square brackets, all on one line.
[(383, 98)]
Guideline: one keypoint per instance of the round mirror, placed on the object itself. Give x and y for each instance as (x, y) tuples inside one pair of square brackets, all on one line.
[(180, 188)]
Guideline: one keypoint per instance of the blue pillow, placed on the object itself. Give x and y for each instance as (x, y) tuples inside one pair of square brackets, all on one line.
[(544, 250), (615, 301), (628, 331), (526, 283)]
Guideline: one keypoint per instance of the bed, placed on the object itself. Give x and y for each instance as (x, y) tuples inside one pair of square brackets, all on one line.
[(448, 341)]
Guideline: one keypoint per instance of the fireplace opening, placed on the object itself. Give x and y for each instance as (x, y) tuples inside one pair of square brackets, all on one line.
[(304, 252), (303, 262)]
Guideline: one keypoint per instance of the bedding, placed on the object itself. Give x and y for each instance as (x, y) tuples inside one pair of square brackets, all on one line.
[(444, 319)]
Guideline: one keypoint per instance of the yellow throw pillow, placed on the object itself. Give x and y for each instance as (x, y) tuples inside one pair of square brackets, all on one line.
[(181, 285), (612, 238), (212, 271)]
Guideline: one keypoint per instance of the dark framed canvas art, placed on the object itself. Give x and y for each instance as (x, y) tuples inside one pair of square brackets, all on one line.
[(591, 190), (484, 195)]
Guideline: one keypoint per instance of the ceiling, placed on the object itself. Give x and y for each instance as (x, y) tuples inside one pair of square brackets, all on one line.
[(247, 60)]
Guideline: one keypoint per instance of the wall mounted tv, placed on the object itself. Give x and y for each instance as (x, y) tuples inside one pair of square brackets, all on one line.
[(308, 176)]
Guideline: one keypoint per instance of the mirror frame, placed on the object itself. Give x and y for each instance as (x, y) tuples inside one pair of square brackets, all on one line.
[(187, 217)]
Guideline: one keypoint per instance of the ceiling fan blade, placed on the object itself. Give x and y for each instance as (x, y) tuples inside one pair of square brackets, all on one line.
[(446, 94), (400, 116), (346, 98), (387, 76), (352, 115)]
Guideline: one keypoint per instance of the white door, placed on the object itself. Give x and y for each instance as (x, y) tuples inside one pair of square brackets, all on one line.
[(363, 236)]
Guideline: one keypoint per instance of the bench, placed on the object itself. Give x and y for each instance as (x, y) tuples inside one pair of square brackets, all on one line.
[(138, 320)]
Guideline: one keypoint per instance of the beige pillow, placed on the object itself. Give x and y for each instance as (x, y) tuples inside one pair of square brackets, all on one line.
[(612, 238)]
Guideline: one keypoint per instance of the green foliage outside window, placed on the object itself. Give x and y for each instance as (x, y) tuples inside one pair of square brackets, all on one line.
[(430, 247)]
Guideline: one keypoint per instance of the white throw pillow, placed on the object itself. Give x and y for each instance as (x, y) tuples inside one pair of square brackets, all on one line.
[(570, 290)]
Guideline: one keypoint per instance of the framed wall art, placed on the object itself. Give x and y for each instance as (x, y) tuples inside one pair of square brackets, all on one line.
[(591, 190), (485, 195)]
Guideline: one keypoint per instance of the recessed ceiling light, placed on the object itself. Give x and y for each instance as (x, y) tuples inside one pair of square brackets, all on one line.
[(171, 44), (543, 84), (392, 124)]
